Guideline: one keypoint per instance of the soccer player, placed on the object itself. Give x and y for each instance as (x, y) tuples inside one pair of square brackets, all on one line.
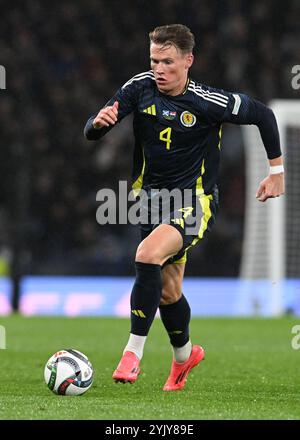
[(177, 128)]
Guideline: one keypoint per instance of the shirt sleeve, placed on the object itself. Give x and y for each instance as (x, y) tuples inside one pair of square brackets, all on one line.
[(127, 97), (238, 108)]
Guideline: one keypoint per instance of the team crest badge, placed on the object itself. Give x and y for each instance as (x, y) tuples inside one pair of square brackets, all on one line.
[(169, 115), (187, 119)]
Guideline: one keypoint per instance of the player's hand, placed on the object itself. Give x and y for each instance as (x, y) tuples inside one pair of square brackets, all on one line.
[(107, 116), (272, 186)]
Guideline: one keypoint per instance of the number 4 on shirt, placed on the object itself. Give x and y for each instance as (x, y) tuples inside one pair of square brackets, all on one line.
[(165, 136)]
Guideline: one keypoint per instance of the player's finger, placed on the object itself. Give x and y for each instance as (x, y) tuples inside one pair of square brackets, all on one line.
[(114, 108), (265, 196), (111, 113), (259, 191), (114, 114), (262, 198), (103, 120), (98, 123), (107, 118)]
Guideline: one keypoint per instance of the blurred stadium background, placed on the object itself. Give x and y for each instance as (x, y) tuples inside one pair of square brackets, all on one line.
[(62, 64)]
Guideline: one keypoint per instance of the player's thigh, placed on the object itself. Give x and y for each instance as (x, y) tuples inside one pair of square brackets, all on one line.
[(172, 277), (163, 242)]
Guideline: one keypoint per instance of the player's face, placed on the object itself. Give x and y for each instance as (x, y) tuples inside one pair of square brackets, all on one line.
[(170, 67)]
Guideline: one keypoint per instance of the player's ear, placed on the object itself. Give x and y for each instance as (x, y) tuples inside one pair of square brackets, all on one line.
[(189, 60)]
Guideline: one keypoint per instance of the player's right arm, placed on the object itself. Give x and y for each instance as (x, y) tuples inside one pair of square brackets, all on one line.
[(107, 116), (98, 125), (120, 105)]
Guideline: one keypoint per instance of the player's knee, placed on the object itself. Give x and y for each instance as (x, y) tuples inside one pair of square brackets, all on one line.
[(147, 254)]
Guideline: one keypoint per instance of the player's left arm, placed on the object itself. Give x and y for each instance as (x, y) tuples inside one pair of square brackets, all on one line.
[(273, 184), (241, 109)]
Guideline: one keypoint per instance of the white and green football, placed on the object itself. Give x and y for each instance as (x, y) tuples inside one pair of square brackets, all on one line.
[(69, 373)]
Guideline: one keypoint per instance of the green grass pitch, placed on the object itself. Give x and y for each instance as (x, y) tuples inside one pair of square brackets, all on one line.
[(251, 371)]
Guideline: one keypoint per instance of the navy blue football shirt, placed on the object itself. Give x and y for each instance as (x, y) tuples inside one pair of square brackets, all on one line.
[(177, 138)]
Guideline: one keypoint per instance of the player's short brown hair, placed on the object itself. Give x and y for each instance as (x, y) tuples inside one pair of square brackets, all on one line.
[(174, 34)]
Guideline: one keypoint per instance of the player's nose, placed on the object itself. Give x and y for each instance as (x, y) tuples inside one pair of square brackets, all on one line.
[(160, 70)]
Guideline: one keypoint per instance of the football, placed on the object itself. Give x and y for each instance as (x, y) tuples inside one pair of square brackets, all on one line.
[(69, 373)]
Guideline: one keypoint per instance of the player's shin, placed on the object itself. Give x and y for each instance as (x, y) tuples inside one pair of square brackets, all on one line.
[(145, 297), (176, 318), (144, 301)]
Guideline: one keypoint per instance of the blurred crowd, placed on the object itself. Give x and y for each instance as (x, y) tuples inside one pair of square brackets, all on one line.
[(63, 61)]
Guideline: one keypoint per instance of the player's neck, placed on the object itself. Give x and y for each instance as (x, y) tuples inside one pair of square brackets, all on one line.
[(180, 89)]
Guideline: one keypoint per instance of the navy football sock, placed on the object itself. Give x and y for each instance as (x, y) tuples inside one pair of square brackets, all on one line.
[(145, 297), (176, 318)]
